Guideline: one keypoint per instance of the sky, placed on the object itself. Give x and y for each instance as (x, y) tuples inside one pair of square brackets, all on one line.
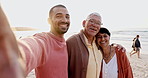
[(116, 14)]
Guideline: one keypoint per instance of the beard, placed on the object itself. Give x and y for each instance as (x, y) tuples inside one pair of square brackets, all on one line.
[(63, 30), (63, 27), (60, 28)]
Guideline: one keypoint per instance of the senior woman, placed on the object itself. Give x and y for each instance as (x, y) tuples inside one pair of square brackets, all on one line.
[(115, 63)]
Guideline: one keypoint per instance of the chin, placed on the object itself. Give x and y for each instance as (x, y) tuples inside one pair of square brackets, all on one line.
[(102, 45), (63, 32)]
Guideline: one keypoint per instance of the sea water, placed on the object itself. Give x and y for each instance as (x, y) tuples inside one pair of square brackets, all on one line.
[(123, 37)]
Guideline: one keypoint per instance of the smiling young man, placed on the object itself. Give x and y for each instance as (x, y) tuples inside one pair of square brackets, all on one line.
[(59, 20), (46, 52)]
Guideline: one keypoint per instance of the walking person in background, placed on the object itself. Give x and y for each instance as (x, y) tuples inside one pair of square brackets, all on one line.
[(115, 63), (133, 46), (137, 46)]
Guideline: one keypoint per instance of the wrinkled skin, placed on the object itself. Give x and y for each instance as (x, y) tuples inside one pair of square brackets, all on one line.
[(10, 58)]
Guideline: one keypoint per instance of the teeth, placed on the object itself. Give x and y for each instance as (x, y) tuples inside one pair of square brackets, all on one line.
[(102, 42), (64, 25), (93, 28)]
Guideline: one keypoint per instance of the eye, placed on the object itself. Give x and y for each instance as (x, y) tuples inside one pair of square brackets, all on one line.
[(67, 16), (91, 21), (102, 36), (58, 16), (99, 36), (98, 23), (105, 36)]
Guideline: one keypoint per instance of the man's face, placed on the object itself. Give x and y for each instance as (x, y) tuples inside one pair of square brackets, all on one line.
[(60, 20), (92, 25)]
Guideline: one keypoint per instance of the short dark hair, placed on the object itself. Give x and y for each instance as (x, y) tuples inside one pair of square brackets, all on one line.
[(60, 5), (104, 30)]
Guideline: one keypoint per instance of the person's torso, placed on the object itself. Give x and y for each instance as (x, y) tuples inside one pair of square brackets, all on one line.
[(137, 43), (110, 69), (56, 61), (78, 56)]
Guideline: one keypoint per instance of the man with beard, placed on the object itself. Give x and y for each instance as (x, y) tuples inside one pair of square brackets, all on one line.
[(47, 52)]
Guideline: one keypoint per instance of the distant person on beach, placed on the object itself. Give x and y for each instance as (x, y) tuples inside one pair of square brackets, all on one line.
[(115, 63), (84, 58), (133, 46), (137, 46), (11, 64), (45, 52)]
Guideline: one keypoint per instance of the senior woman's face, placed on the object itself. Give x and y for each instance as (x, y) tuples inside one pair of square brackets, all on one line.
[(103, 39)]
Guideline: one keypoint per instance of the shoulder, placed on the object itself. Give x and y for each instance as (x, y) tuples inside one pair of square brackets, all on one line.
[(43, 34), (120, 52), (76, 36), (73, 37)]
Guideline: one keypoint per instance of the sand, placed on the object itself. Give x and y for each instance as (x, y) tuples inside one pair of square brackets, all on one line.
[(139, 66)]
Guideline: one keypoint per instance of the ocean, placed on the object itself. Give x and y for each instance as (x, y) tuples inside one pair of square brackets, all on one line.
[(123, 37)]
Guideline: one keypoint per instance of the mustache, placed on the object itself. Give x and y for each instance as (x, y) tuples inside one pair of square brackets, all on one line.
[(64, 23)]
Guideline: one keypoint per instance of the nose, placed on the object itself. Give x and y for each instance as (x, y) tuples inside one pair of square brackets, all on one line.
[(102, 38), (96, 26), (93, 23), (64, 19)]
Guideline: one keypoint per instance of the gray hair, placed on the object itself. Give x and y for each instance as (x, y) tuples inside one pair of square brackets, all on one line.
[(94, 13)]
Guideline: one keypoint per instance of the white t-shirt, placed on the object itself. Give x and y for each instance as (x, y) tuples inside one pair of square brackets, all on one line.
[(110, 69)]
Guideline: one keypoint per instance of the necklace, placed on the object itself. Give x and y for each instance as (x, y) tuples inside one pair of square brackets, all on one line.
[(106, 58)]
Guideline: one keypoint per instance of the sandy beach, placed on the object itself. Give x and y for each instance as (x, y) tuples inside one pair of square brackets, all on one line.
[(139, 66)]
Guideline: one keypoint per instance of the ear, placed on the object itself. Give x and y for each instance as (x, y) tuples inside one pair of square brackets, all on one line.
[(49, 20), (83, 23)]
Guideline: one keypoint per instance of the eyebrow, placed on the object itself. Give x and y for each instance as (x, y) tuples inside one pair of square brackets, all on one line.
[(67, 15), (61, 14)]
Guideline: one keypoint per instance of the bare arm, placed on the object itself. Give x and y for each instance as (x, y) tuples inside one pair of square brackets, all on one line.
[(10, 66)]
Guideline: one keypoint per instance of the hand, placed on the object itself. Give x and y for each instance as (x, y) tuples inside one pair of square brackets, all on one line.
[(10, 66), (120, 47)]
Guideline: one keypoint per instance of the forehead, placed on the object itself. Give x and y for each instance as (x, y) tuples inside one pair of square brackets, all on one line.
[(101, 34), (59, 10)]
